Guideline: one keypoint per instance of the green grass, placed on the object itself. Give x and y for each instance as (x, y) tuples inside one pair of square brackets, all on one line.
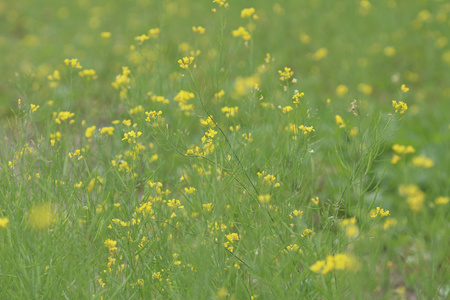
[(245, 205)]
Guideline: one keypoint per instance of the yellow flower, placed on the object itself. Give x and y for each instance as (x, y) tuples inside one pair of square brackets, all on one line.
[(105, 35), (107, 130), (141, 38), (400, 106), (365, 88), (389, 51), (389, 223), (4, 222), (401, 149), (73, 63), (439, 201), (264, 198), (285, 74), (190, 190), (89, 131), (207, 207), (34, 107), (336, 262), (221, 2), (422, 161), (306, 129), (415, 196), (42, 216), (241, 32), (88, 73), (247, 12), (297, 96), (379, 212), (341, 90), (222, 293), (320, 54), (404, 88), (339, 121), (153, 33), (198, 29), (185, 62), (232, 237)]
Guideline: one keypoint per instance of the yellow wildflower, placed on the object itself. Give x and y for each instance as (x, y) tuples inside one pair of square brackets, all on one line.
[(105, 35), (4, 222), (400, 106), (42, 216), (198, 29), (89, 131), (442, 200), (247, 12), (241, 32), (422, 161), (339, 121), (107, 130), (73, 63), (320, 54), (264, 198), (341, 90), (185, 62), (285, 74)]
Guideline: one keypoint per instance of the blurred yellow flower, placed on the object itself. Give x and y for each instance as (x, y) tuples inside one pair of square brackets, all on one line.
[(42, 215), (4, 222)]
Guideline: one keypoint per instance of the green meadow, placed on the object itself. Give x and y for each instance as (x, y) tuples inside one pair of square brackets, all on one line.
[(223, 149)]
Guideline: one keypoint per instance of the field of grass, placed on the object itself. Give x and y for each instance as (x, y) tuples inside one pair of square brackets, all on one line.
[(162, 149)]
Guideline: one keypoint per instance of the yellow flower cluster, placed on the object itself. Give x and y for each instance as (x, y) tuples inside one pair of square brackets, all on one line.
[(339, 121), (399, 106), (72, 63), (441, 200), (306, 129), (296, 213), (320, 54), (122, 82), (286, 109), (4, 222), (264, 198), (379, 212), (88, 74), (401, 149), (415, 196), (63, 115), (297, 96), (422, 161), (185, 62), (341, 90), (41, 216), (130, 136), (335, 262), (153, 33), (294, 248), (152, 115), (232, 238), (221, 2), (107, 130), (285, 74), (241, 32), (54, 79), (351, 229), (247, 12), (230, 111), (198, 29)]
